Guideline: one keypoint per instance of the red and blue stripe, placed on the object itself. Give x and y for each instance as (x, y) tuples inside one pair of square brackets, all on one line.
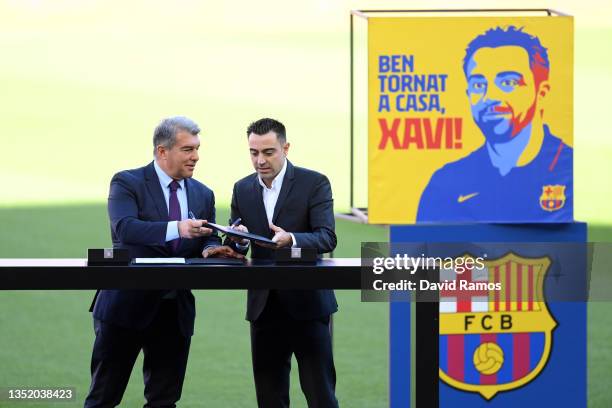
[(522, 352)]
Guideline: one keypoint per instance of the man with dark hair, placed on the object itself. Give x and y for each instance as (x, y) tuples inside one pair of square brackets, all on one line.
[(522, 172), (148, 209), (294, 207)]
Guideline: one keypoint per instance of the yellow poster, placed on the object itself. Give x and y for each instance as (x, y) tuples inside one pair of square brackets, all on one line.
[(470, 119)]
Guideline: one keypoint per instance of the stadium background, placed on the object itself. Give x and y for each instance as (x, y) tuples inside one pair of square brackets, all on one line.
[(82, 85)]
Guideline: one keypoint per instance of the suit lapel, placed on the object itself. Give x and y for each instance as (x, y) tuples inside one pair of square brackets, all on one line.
[(284, 192), (156, 192), (191, 199)]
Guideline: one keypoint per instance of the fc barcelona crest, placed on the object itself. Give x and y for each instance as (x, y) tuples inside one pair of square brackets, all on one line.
[(553, 197), (495, 340)]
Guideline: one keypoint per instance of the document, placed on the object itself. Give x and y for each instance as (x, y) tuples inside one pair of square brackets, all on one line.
[(235, 233), (157, 261)]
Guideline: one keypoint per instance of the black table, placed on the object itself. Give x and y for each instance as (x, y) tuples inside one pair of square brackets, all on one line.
[(337, 273)]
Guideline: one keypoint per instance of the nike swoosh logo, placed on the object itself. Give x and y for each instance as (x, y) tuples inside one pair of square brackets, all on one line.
[(463, 198)]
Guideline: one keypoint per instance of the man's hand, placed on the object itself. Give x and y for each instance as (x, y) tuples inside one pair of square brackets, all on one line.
[(193, 229), (221, 252), (281, 237), (238, 240)]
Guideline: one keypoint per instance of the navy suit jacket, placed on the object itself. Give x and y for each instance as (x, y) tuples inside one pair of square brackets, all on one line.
[(304, 208), (139, 217)]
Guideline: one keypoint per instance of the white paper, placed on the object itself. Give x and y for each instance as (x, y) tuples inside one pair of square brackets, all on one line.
[(159, 260)]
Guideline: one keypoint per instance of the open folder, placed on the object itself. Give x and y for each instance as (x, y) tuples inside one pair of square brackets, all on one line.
[(235, 233)]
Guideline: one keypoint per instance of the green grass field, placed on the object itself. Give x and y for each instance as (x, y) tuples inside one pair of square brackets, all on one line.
[(46, 336), (83, 84)]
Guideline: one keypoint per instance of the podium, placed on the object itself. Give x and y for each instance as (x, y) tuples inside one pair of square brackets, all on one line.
[(466, 117), (535, 366)]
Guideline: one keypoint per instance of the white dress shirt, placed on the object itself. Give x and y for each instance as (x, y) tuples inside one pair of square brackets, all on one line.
[(270, 195), (165, 180)]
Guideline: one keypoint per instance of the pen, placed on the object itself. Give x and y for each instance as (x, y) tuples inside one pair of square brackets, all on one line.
[(236, 222), (191, 215)]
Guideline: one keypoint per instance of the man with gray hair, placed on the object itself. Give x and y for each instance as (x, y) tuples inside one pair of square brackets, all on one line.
[(149, 211)]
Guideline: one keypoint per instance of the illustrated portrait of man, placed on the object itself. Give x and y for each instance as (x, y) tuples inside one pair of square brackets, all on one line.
[(522, 172)]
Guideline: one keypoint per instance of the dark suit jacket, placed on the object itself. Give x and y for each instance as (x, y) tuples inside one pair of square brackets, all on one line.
[(304, 208), (139, 216)]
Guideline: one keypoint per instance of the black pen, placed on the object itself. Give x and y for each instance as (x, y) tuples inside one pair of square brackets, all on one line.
[(236, 222)]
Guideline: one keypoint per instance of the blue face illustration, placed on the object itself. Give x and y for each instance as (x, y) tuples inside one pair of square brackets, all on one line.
[(502, 91)]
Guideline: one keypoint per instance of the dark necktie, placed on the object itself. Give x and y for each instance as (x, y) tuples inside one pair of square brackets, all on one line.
[(174, 212)]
